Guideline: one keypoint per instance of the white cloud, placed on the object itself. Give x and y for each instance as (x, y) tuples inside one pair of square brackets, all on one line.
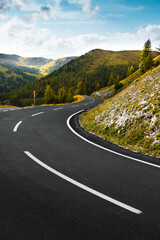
[(130, 8), (20, 4), (85, 4), (4, 7), (18, 37)]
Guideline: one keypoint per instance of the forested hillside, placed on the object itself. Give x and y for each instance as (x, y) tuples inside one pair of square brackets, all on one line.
[(12, 78), (35, 65), (82, 75)]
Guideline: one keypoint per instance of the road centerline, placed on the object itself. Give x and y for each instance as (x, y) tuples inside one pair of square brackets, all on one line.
[(33, 115), (84, 187), (56, 109), (16, 126), (74, 106)]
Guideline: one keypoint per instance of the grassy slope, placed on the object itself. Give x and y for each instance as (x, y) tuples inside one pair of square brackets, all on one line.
[(131, 118), (108, 92), (99, 57), (54, 65)]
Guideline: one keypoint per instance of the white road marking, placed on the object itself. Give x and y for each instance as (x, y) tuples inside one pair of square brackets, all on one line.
[(82, 186), (36, 114), (16, 127), (57, 109), (85, 104), (74, 106), (5, 110), (106, 149)]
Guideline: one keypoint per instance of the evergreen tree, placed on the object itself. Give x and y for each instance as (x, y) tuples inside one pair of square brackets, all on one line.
[(130, 70), (62, 95), (49, 95), (81, 89), (111, 80), (146, 59)]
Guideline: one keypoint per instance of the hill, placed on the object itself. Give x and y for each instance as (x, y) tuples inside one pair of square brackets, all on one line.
[(84, 74), (54, 65), (12, 78), (34, 65), (131, 118)]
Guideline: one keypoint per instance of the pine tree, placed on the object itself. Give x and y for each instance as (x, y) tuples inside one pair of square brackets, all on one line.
[(130, 70), (111, 80), (81, 89), (49, 95), (146, 59)]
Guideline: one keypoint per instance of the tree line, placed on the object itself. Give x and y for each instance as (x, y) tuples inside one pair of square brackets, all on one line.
[(79, 76)]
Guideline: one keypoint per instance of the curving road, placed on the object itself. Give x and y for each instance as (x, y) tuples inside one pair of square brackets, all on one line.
[(57, 184)]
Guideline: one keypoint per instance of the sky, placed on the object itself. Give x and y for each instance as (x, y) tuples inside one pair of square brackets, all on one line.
[(60, 28)]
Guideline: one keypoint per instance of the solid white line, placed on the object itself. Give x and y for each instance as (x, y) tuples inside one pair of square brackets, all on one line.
[(106, 149), (36, 114), (16, 127), (57, 109), (82, 186)]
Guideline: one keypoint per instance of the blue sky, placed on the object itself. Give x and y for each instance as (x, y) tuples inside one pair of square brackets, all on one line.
[(60, 28)]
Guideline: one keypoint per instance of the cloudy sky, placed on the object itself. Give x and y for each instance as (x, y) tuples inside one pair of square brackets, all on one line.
[(59, 28)]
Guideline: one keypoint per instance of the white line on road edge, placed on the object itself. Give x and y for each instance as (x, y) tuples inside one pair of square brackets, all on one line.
[(57, 109), (82, 186), (16, 127), (106, 149), (36, 114)]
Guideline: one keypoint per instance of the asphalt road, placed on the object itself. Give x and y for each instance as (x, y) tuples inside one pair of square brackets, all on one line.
[(55, 185)]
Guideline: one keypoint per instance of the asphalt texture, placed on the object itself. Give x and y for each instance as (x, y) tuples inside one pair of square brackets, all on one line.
[(36, 204)]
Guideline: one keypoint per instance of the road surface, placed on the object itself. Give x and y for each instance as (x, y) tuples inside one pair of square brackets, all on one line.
[(55, 185)]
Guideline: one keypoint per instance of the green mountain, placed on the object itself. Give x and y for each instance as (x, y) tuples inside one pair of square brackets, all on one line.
[(131, 118), (54, 65), (84, 74), (36, 65), (13, 78)]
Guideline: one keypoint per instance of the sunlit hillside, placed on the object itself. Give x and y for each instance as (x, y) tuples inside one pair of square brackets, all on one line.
[(132, 117)]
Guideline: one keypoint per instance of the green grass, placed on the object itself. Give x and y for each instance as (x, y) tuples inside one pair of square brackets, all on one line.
[(132, 117)]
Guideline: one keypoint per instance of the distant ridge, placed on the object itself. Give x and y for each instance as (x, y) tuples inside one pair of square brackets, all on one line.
[(38, 65)]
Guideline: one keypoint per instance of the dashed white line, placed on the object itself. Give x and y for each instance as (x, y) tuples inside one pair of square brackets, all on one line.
[(57, 109), (16, 127), (85, 104), (82, 186), (37, 114), (106, 149), (74, 106)]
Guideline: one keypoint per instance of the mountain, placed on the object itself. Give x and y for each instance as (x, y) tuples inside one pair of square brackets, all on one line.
[(35, 65), (12, 78), (131, 118), (85, 74), (54, 65)]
